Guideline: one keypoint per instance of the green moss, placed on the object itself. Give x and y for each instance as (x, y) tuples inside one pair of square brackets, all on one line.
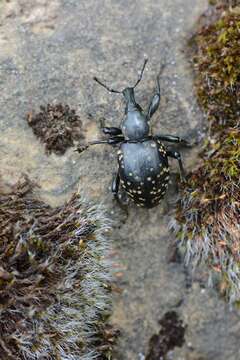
[(208, 216), (218, 67), (224, 3)]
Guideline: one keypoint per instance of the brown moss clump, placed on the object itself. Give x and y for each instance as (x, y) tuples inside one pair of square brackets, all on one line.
[(57, 126), (170, 336), (208, 216), (54, 279)]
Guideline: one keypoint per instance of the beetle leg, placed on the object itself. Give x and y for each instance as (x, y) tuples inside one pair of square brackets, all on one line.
[(174, 139), (176, 155), (111, 131), (115, 186), (111, 141), (154, 104), (115, 189)]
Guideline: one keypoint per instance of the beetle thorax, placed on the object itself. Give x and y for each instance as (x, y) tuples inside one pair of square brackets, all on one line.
[(135, 126)]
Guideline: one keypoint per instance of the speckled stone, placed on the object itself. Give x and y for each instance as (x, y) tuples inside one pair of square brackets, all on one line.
[(50, 51)]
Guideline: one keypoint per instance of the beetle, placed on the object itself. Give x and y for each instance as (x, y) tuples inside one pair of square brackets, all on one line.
[(143, 170)]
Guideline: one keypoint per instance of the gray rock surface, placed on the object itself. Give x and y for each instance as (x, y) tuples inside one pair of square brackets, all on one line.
[(49, 51)]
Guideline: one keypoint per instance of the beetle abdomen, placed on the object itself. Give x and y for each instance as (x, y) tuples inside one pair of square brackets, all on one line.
[(144, 172)]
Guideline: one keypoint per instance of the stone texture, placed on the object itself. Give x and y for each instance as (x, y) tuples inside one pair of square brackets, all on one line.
[(50, 50)]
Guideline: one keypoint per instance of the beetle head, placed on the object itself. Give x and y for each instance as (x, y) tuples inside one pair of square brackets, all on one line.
[(129, 97)]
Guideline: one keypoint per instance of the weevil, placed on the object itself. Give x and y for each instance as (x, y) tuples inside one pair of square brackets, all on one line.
[(143, 170)]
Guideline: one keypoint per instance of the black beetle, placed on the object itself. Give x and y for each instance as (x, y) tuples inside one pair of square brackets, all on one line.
[(143, 169)]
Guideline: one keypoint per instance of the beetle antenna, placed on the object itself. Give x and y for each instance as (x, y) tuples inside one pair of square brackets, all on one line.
[(105, 86), (141, 74), (162, 67)]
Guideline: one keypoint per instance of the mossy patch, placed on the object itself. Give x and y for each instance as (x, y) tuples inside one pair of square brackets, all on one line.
[(208, 216), (225, 3), (54, 279), (218, 68), (171, 335), (57, 126)]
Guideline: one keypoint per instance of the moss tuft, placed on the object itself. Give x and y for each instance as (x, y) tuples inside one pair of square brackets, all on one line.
[(54, 279), (56, 125), (207, 217), (218, 67)]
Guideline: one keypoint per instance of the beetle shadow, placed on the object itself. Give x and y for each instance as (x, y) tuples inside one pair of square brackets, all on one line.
[(171, 197)]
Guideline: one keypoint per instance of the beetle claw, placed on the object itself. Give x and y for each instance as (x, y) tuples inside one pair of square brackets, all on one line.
[(187, 143)]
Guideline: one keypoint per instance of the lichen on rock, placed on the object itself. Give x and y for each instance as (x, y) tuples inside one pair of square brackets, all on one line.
[(208, 213), (54, 278)]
